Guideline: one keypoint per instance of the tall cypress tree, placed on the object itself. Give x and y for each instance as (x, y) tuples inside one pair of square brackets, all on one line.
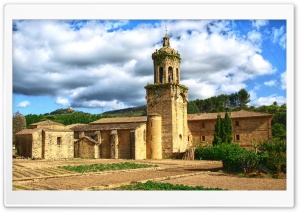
[(218, 131), (227, 129), (223, 130)]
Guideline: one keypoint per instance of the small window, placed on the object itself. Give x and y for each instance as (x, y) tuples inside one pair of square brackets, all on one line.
[(58, 141), (203, 125), (237, 123), (144, 135), (203, 137), (180, 137), (237, 137)]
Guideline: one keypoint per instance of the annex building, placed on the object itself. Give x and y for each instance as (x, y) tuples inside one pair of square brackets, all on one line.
[(167, 128)]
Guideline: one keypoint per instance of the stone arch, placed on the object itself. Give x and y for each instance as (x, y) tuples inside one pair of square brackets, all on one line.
[(170, 74), (183, 96), (161, 74)]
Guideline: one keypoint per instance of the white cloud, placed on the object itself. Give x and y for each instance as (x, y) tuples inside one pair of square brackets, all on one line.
[(112, 105), (283, 80), (255, 37), (256, 87), (62, 101), (92, 65), (270, 83), (268, 100), (279, 36), (23, 104), (259, 23)]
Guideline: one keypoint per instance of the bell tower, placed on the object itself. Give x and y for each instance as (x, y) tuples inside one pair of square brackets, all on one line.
[(167, 98)]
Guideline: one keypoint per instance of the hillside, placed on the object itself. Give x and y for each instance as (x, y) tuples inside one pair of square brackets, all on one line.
[(133, 111)]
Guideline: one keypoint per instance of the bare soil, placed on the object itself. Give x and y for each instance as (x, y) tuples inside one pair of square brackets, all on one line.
[(46, 175)]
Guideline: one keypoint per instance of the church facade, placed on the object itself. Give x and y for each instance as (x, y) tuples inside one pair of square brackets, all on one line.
[(167, 128)]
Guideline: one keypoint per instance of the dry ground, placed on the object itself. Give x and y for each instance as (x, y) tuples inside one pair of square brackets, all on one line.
[(45, 175)]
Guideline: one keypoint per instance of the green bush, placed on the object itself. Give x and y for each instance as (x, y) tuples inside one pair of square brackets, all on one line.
[(234, 158), (273, 152), (247, 160), (150, 185)]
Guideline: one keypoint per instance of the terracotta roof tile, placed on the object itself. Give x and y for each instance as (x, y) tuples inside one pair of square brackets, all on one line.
[(57, 130), (88, 138), (121, 120), (113, 126), (235, 114), (28, 131)]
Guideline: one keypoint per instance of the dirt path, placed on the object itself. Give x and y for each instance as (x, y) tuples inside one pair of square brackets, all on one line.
[(45, 175)]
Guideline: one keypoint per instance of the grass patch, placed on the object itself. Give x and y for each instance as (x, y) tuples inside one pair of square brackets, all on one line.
[(105, 167), (150, 185)]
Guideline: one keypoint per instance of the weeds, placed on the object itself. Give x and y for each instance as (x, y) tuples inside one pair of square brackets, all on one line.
[(105, 167)]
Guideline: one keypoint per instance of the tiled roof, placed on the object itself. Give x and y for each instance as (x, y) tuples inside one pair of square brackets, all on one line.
[(28, 131), (47, 122), (235, 114), (88, 138), (57, 130), (113, 126), (121, 120)]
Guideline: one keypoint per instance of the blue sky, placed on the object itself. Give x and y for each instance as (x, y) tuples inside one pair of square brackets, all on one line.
[(96, 66)]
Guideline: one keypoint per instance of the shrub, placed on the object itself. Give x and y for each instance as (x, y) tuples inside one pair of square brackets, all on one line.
[(273, 153), (234, 158), (150, 185), (247, 160)]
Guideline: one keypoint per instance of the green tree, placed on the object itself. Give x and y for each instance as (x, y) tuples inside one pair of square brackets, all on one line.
[(227, 129), (279, 130), (19, 123), (274, 152), (218, 131), (243, 98), (223, 130), (192, 108), (233, 100)]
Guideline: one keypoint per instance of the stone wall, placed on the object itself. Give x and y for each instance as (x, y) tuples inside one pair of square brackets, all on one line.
[(24, 145), (37, 144), (140, 142), (170, 101), (119, 143), (105, 144), (248, 129), (84, 148), (251, 129), (58, 145), (124, 145)]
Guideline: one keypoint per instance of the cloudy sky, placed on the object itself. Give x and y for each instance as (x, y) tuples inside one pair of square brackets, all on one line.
[(96, 66)]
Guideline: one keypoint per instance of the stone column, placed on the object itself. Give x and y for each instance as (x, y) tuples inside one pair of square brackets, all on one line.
[(114, 144), (154, 125), (132, 144), (98, 146)]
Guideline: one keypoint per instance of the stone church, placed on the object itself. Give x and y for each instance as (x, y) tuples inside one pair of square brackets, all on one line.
[(167, 128)]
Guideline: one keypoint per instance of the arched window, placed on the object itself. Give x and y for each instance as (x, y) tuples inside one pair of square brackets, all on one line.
[(161, 74), (170, 74)]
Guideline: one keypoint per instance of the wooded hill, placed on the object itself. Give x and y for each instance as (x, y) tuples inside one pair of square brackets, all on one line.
[(220, 103)]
